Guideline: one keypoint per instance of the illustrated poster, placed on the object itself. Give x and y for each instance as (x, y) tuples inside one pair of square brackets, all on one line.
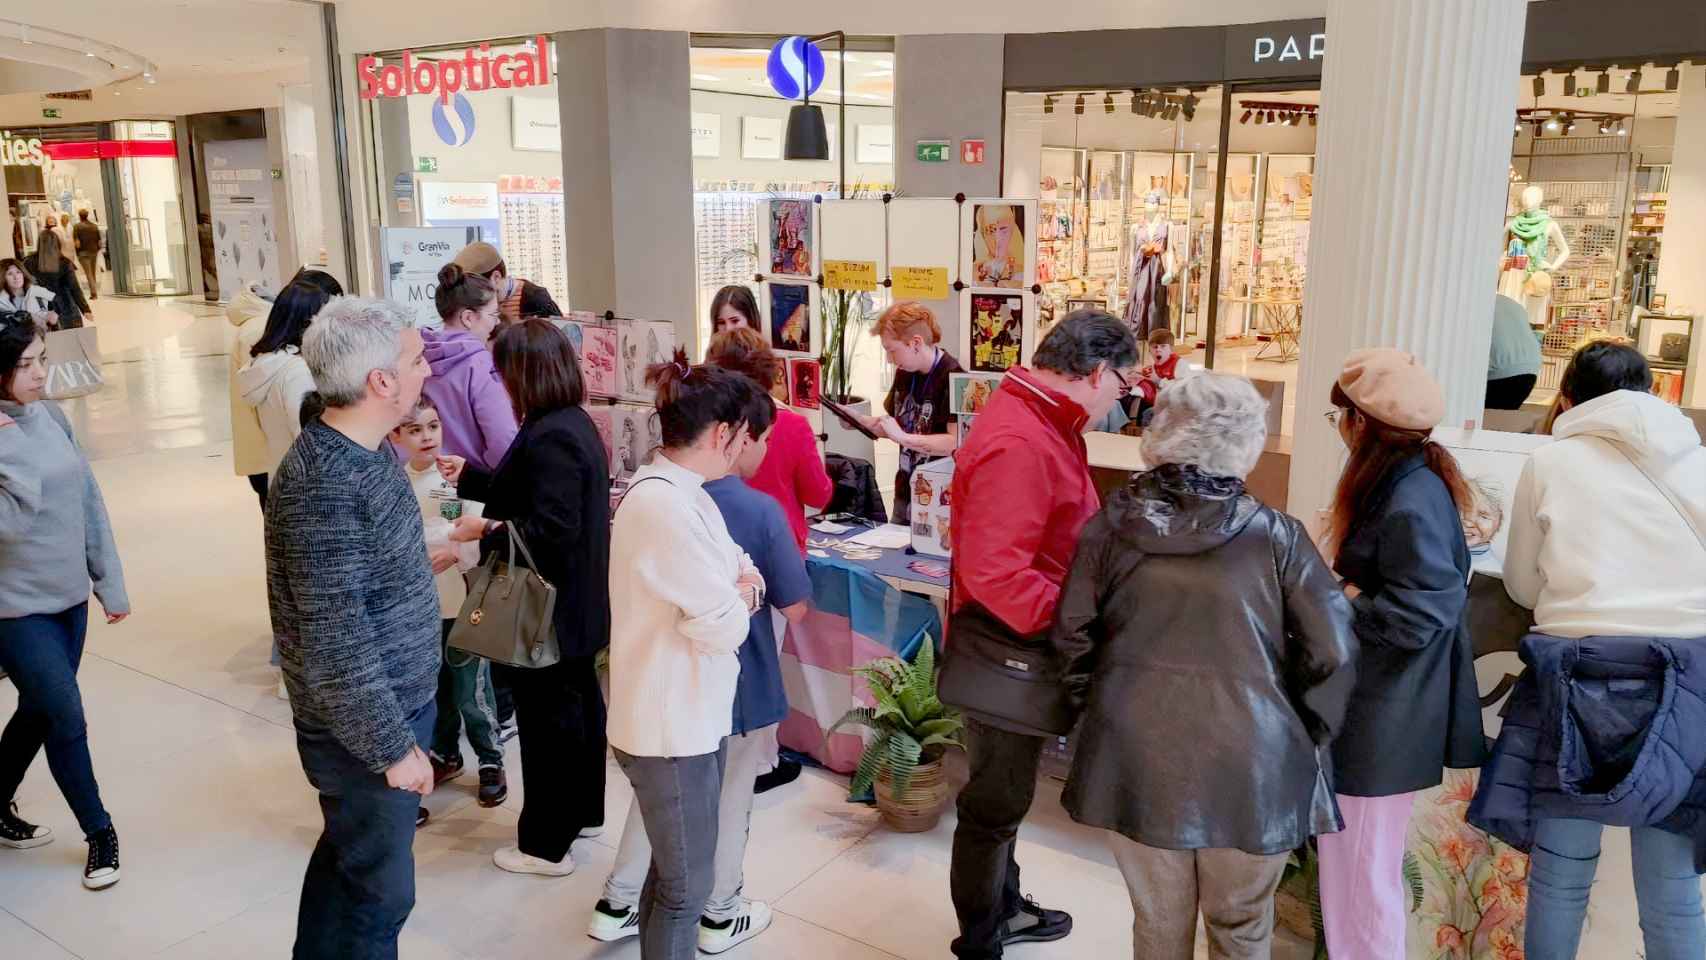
[(969, 392), (604, 423), (805, 383), (637, 437), (995, 331), (598, 361), (791, 238), (997, 247), (791, 316), (639, 344)]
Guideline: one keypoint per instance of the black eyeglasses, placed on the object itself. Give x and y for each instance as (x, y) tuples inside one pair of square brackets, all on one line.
[(1333, 416), (1125, 385)]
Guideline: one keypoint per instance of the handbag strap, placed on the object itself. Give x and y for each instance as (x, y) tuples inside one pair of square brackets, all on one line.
[(1663, 488)]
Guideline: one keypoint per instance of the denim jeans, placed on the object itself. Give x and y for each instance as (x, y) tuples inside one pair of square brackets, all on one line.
[(1561, 870), (360, 884), (41, 654), (678, 799), (984, 877), (465, 697), (746, 754)]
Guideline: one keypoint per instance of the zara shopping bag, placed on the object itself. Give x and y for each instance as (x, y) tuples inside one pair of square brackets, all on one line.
[(73, 363)]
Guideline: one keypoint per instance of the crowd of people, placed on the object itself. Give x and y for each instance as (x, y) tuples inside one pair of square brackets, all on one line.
[(1245, 683)]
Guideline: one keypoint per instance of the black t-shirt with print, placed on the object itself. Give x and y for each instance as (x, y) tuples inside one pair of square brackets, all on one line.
[(919, 403)]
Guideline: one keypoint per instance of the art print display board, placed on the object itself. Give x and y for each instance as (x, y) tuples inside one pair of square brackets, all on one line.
[(932, 505), (787, 238), (997, 330), (636, 435), (576, 332), (791, 317), (853, 243), (968, 393), (604, 423), (998, 244), (924, 247), (805, 383), (639, 344), (598, 361)]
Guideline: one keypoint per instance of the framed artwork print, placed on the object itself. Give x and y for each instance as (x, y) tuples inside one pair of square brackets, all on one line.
[(998, 243), (790, 242), (969, 392), (791, 315), (805, 383), (997, 330)]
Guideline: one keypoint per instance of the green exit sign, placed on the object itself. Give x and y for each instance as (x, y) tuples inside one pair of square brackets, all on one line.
[(934, 151), (50, 113), (426, 164)]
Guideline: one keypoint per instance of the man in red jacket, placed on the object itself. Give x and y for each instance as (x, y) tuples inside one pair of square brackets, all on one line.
[(1021, 493)]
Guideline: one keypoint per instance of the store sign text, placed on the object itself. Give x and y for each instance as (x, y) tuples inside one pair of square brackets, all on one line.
[(476, 69), (1272, 48), (19, 152)]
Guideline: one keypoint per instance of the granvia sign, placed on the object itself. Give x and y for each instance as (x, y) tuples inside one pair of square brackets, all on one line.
[(476, 69)]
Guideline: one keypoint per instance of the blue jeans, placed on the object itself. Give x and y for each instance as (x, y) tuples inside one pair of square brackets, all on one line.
[(1667, 890), (360, 885), (41, 654), (678, 799)]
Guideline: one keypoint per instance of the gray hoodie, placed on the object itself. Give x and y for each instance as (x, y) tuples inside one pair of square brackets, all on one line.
[(54, 534)]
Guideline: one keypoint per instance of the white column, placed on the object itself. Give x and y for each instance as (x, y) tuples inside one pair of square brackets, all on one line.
[(1681, 278), (1417, 102)]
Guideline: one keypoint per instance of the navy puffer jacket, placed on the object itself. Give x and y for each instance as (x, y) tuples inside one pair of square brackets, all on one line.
[(1604, 729)]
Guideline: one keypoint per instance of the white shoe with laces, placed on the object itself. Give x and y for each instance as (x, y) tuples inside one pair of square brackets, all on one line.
[(514, 861), (721, 936), (610, 924)]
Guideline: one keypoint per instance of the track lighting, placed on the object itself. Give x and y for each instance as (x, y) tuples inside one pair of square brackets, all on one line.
[(1312, 116), (1569, 123), (1570, 84), (1539, 85), (1539, 130), (1673, 78), (1552, 123), (1622, 130), (1048, 104), (1634, 84), (1107, 103), (1296, 119), (1078, 106), (1245, 118), (1605, 126), (1603, 84), (1261, 118)]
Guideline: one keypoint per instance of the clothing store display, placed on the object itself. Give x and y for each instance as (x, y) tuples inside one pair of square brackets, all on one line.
[(1146, 304)]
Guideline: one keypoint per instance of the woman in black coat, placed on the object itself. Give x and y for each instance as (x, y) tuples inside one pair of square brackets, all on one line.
[(1396, 523), (1190, 599), (51, 267), (553, 485)]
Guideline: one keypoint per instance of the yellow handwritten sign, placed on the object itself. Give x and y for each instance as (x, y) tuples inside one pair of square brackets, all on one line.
[(849, 275), (919, 283)]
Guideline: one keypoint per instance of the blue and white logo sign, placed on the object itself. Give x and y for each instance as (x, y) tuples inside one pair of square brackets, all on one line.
[(795, 68), (455, 124)]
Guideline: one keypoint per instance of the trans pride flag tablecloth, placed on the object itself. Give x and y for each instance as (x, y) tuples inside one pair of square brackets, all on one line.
[(855, 617)]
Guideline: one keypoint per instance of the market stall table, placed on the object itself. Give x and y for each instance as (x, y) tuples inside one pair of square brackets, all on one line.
[(862, 609)]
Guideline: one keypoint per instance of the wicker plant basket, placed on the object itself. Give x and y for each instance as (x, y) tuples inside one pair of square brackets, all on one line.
[(920, 809)]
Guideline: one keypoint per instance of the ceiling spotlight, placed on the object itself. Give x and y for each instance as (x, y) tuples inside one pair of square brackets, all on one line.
[(1539, 85), (1552, 123), (24, 34), (1622, 130), (88, 53), (1078, 106), (1107, 103), (1603, 84), (1634, 84), (1569, 123), (1296, 119), (1604, 126), (1048, 104), (1261, 118), (1673, 78), (1189, 108), (1245, 118), (1570, 84), (1539, 130)]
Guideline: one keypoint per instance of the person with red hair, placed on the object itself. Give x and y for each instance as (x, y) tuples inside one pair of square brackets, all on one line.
[(917, 404)]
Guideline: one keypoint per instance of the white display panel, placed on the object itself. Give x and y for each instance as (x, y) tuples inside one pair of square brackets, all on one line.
[(925, 232), (854, 230)]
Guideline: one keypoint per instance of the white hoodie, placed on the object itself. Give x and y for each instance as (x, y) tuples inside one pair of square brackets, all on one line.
[(1595, 548), (274, 384)]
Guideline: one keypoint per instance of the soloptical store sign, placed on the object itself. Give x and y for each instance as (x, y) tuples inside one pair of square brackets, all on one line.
[(445, 74)]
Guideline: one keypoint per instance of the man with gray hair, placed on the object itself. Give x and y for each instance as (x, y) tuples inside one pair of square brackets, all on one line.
[(356, 618), (1021, 494)]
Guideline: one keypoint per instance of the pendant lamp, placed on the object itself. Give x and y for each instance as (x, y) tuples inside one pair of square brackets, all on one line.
[(807, 137)]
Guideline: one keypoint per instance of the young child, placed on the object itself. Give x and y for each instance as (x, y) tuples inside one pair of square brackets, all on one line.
[(1165, 367), (464, 680)]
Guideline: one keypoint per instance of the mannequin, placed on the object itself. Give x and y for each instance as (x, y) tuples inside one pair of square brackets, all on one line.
[(1153, 267), (1534, 248)]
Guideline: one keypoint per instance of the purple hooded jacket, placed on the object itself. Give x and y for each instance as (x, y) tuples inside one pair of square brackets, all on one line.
[(479, 422)]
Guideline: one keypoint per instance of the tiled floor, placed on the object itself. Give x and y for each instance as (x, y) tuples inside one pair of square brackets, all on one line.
[(196, 758)]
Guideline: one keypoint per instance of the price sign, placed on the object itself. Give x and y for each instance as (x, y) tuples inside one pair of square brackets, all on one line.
[(849, 275), (919, 283)]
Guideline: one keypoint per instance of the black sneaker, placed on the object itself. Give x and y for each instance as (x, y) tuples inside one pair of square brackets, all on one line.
[(20, 834), (786, 772), (508, 730), (421, 817), (1033, 924), (102, 870), (444, 768), (494, 787)]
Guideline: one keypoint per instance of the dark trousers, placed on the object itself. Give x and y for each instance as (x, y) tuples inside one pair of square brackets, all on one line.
[(561, 712), (1509, 393), (88, 262), (360, 884), (465, 696), (258, 483), (678, 798), (41, 654), (984, 877)]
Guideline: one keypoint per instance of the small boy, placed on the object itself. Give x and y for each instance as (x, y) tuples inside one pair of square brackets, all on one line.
[(1164, 368), (464, 680)]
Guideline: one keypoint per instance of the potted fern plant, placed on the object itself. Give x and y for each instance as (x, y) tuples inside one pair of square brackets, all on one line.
[(913, 730)]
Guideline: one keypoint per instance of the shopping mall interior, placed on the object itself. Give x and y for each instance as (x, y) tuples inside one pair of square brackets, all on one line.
[(1232, 172)]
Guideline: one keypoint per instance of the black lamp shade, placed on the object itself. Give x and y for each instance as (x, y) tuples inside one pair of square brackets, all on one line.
[(807, 138)]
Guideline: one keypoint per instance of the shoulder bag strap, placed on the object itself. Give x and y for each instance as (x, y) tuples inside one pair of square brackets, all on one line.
[(1663, 488)]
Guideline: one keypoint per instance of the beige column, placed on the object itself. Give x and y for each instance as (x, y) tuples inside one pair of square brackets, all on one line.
[(1417, 101)]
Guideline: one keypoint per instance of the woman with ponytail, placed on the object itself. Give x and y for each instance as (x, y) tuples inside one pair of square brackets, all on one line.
[(1397, 532), (687, 593), (479, 420)]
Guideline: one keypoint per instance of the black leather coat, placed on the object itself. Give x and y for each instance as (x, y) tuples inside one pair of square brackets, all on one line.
[(1216, 655), (1416, 709)]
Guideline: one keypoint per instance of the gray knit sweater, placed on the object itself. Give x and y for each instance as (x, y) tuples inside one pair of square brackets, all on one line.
[(353, 603), (54, 535)]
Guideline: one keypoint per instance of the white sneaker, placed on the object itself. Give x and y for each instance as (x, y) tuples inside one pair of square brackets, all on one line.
[(513, 860), (590, 833), (609, 926), (283, 694), (751, 922)]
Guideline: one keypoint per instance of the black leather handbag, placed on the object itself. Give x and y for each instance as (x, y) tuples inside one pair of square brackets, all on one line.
[(1007, 681)]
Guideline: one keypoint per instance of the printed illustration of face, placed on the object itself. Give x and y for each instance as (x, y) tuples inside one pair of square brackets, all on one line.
[(420, 438), (1482, 521), (998, 236)]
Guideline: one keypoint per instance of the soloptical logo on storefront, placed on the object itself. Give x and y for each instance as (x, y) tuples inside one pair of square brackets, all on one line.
[(475, 69), (454, 123)]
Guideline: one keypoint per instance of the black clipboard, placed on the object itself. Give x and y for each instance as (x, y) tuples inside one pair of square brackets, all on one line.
[(847, 416)]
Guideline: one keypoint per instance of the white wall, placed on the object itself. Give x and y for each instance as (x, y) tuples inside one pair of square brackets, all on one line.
[(730, 166), (1681, 278)]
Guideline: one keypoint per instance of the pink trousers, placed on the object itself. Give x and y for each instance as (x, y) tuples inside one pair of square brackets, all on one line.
[(1363, 902)]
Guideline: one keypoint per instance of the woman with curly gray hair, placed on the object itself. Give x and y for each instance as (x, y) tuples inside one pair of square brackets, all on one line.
[(1189, 598)]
